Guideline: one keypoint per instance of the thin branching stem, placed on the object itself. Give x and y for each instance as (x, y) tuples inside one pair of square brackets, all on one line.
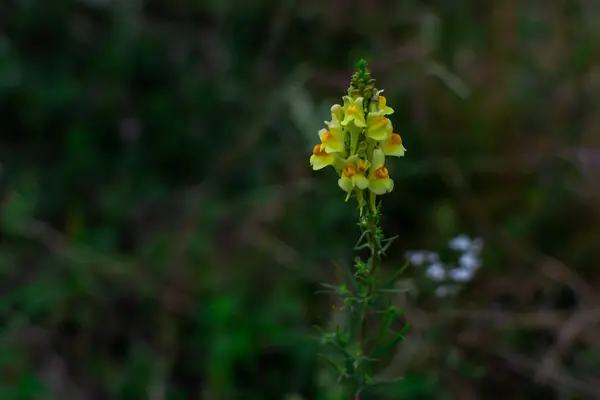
[(373, 243), (371, 232)]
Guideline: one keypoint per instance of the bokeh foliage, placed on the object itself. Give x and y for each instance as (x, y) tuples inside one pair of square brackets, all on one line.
[(163, 233)]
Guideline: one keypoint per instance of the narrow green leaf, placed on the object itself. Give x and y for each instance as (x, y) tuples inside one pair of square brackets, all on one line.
[(332, 363), (364, 246), (345, 275), (399, 272), (362, 236), (380, 351)]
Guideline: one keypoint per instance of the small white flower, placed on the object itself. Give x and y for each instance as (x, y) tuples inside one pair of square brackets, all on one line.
[(442, 291), (416, 257), (469, 261), (460, 243), (420, 257), (461, 274), (436, 272)]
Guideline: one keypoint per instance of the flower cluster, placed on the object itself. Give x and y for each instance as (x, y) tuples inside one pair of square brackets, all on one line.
[(357, 140), (449, 275)]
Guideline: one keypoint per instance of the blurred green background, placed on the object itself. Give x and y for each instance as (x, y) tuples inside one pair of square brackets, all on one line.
[(163, 235)]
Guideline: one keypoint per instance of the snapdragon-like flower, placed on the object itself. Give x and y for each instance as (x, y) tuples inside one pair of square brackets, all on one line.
[(321, 158), (353, 175), (354, 111), (357, 140), (378, 126), (332, 139), (379, 178), (382, 106), (393, 146)]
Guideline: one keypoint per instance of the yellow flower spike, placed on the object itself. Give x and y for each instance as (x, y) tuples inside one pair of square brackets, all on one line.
[(332, 140), (354, 112), (320, 158), (383, 108), (353, 175), (379, 179), (393, 146), (378, 127), (356, 141)]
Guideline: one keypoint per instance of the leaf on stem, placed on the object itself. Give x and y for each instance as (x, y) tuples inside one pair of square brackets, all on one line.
[(387, 242), (399, 272), (339, 368), (345, 275), (379, 351), (360, 239)]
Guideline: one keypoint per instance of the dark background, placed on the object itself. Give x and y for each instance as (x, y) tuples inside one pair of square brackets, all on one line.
[(163, 233)]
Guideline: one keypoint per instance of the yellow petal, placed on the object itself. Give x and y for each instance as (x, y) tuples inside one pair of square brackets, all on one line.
[(321, 133), (361, 181), (345, 184), (321, 161), (332, 140), (383, 108), (381, 186), (337, 113), (378, 127), (378, 159), (354, 112), (396, 151), (393, 146)]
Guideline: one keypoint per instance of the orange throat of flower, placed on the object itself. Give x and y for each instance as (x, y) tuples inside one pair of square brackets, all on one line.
[(395, 140), (382, 173), (319, 151), (328, 136), (381, 122), (362, 166), (349, 171)]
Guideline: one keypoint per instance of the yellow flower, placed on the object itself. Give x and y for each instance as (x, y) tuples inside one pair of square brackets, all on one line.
[(332, 140), (393, 146), (378, 126), (379, 179), (320, 158), (357, 139), (383, 108), (353, 175), (354, 112)]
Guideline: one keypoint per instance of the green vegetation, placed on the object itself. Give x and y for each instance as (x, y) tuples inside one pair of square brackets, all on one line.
[(163, 234)]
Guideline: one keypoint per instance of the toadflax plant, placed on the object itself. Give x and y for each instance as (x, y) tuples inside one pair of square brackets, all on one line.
[(356, 143)]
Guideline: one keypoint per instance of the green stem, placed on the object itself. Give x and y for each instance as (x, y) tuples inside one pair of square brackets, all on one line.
[(374, 261), (374, 244)]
